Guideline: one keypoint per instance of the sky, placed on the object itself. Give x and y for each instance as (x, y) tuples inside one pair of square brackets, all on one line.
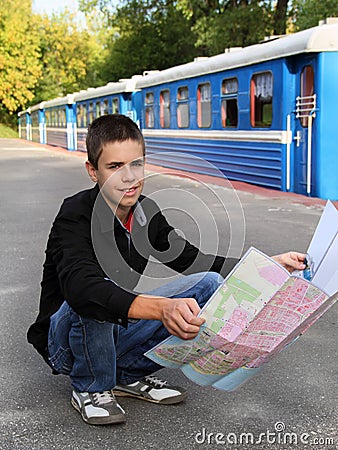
[(48, 6)]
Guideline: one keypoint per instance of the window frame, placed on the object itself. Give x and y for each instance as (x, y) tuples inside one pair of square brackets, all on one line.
[(182, 108), (304, 121), (165, 108), (200, 102), (149, 109), (254, 122), (227, 97), (115, 105)]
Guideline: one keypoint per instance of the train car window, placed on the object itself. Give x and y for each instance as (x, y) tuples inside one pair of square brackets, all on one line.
[(150, 119), (79, 116), (204, 105), (63, 117), (307, 90), (261, 93), (47, 118), (84, 117), (97, 109), (229, 106), (91, 113), (35, 119), (115, 106), (182, 110), (165, 109), (105, 108)]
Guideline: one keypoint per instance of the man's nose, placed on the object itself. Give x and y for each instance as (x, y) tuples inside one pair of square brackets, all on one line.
[(127, 173)]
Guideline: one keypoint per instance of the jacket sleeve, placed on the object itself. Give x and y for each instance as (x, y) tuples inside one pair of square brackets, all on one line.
[(179, 254), (82, 281)]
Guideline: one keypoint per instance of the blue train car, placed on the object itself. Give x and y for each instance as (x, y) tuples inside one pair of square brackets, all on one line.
[(59, 116), (38, 123), (119, 97), (261, 114), (25, 131)]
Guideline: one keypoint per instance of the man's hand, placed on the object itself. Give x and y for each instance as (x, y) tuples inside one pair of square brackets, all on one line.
[(179, 316), (291, 261)]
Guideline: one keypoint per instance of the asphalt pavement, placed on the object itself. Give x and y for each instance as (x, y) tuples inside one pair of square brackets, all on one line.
[(292, 403)]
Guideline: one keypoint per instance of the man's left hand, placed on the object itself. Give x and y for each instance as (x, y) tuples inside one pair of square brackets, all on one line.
[(291, 261)]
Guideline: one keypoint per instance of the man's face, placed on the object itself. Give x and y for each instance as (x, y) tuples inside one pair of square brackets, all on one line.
[(120, 174)]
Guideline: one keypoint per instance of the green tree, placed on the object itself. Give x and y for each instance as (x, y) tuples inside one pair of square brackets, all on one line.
[(233, 24), (307, 13), (148, 35), (20, 67), (67, 56)]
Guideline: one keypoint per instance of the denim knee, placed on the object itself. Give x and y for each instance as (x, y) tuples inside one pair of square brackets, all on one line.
[(214, 280)]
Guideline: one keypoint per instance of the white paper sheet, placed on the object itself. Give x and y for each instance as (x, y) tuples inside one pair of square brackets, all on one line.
[(324, 235), (326, 276)]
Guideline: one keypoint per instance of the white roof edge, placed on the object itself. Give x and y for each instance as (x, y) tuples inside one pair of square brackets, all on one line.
[(110, 88), (317, 39), (25, 111), (37, 106), (66, 100)]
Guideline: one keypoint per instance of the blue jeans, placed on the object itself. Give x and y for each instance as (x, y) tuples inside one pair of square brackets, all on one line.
[(98, 355)]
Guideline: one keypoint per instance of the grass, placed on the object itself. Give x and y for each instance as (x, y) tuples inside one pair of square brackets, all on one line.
[(7, 132)]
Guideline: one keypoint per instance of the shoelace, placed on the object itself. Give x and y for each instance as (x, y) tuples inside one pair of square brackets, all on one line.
[(157, 382), (101, 398)]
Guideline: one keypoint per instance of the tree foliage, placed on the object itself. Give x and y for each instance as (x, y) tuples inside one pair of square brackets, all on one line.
[(149, 35), (66, 56), (20, 67), (233, 24), (307, 13)]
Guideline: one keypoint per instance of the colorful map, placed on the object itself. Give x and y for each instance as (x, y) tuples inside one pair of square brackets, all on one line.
[(257, 312)]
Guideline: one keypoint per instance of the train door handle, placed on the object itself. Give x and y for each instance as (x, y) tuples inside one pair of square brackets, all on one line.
[(298, 138)]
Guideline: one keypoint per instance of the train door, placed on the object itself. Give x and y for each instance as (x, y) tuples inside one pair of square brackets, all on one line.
[(305, 113)]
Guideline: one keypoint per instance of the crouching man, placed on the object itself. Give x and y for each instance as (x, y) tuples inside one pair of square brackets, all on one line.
[(92, 325)]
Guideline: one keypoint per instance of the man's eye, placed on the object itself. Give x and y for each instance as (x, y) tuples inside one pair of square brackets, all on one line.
[(138, 163)]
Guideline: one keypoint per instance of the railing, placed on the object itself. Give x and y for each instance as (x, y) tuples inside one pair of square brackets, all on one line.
[(306, 109), (306, 106)]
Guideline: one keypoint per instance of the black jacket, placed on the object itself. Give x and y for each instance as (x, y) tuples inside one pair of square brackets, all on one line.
[(94, 263)]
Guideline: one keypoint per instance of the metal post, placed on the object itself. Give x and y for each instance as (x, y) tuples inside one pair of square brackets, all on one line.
[(309, 155), (288, 152)]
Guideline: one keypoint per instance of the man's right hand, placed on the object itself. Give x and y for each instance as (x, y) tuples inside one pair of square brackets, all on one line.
[(178, 315)]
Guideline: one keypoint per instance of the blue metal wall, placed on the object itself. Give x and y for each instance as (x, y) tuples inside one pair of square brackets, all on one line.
[(326, 156)]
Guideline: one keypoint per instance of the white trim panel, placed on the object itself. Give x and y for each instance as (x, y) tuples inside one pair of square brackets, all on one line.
[(270, 136)]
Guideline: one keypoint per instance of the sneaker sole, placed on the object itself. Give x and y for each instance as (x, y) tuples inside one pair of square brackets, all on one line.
[(166, 401), (99, 420)]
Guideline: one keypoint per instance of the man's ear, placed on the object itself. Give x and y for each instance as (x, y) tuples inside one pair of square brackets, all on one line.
[(91, 171)]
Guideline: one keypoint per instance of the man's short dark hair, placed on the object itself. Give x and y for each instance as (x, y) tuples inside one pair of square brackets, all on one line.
[(110, 128)]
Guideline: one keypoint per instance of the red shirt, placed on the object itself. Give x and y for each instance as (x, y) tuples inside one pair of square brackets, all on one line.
[(129, 222)]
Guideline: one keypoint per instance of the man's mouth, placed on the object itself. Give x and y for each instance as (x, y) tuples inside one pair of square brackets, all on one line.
[(130, 191)]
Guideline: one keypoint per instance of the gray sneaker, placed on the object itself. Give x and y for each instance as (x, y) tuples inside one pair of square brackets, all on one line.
[(99, 408), (152, 389)]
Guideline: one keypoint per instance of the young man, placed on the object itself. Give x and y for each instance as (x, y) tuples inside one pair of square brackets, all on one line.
[(92, 324)]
